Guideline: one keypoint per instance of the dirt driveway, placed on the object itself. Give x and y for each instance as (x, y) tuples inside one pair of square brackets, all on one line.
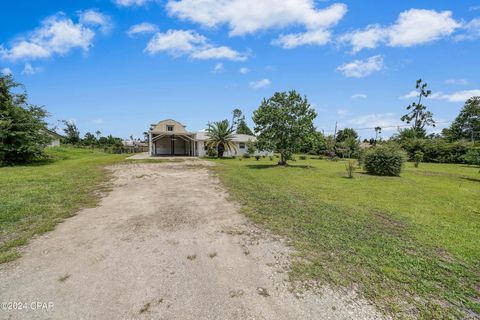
[(164, 244)]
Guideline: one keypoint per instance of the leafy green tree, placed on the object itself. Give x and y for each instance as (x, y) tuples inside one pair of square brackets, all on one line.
[(72, 135), (346, 134), (417, 112), (314, 144), (220, 137), (251, 148), (467, 124), (89, 139), (284, 122), (238, 122), (242, 128), (23, 134), (417, 157)]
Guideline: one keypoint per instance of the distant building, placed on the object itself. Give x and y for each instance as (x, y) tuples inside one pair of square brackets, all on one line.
[(170, 138), (56, 138)]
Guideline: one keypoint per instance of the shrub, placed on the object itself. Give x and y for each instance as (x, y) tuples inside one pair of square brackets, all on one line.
[(350, 167), (246, 155), (472, 157), (251, 148), (384, 161), (233, 157), (211, 152), (417, 158), (271, 158), (303, 157), (257, 157)]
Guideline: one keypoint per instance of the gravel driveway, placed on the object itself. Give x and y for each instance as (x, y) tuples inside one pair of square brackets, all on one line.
[(165, 243)]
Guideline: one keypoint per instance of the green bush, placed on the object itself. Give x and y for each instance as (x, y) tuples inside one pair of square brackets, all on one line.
[(439, 150), (257, 157), (303, 157), (417, 157), (384, 160), (246, 155), (211, 152), (350, 166)]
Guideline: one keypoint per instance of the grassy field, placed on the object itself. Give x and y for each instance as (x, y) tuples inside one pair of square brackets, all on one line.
[(409, 244), (34, 198)]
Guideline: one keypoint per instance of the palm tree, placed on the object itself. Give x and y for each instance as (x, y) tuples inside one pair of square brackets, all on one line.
[(220, 137)]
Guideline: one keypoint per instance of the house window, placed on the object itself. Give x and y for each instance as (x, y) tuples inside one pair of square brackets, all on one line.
[(241, 145), (169, 128)]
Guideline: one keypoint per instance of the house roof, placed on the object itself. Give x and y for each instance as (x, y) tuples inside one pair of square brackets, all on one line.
[(53, 133), (161, 127)]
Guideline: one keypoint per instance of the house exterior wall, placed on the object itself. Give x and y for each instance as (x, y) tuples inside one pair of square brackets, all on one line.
[(163, 146), (201, 152), (54, 143)]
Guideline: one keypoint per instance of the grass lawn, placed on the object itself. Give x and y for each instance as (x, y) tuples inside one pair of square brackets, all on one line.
[(34, 198), (409, 244)]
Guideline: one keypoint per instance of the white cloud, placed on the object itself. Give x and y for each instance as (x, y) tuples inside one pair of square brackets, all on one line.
[(188, 42), (359, 96), (131, 3), (93, 17), (410, 95), (218, 68), (387, 121), (264, 83), (369, 38), (413, 27), (456, 81), (459, 96), (244, 70), (30, 70), (218, 53), (6, 71), (250, 16), (142, 28), (362, 68), (57, 35), (293, 40), (471, 31)]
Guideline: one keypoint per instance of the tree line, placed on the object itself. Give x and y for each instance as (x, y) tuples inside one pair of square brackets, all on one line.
[(284, 123)]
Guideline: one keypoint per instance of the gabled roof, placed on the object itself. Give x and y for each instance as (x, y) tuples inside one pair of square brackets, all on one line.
[(161, 127), (53, 133)]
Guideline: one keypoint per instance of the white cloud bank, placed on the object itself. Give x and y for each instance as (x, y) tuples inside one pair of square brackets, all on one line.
[(188, 42), (264, 83), (6, 71), (95, 18), (131, 3), (57, 35), (142, 28), (28, 69), (459, 96), (251, 16), (362, 68), (413, 27), (387, 121)]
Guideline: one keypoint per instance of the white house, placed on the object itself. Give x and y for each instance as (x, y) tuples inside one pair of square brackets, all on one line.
[(171, 138), (55, 138)]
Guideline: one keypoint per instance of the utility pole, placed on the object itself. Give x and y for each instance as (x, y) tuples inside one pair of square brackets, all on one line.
[(335, 133)]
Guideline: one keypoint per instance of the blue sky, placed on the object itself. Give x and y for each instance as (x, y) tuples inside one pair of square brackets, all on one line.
[(119, 65)]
